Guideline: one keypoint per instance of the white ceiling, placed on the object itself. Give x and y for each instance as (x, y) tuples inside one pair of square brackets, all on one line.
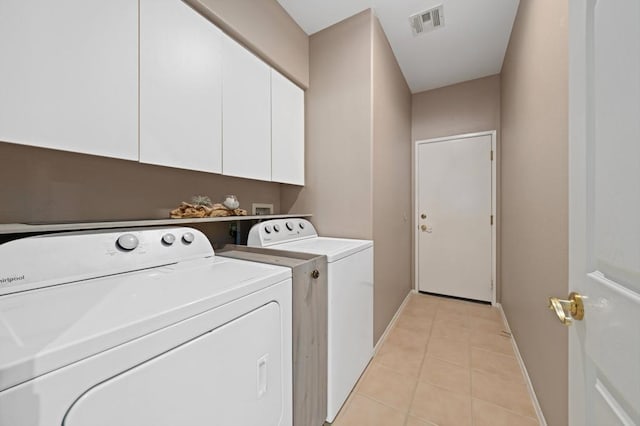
[(471, 44)]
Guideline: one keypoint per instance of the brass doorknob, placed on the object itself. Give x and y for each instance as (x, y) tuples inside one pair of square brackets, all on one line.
[(568, 310)]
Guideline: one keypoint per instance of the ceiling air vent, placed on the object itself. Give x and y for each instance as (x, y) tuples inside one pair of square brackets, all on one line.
[(426, 21)]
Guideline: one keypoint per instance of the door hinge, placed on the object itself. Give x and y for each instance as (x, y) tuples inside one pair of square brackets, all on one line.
[(491, 155), (491, 220)]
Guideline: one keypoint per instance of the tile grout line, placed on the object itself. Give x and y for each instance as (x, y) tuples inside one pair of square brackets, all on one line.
[(473, 420), (424, 354), (506, 409)]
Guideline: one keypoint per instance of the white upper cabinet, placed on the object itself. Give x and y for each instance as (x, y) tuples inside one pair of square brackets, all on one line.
[(69, 75), (246, 114), (180, 87), (287, 131)]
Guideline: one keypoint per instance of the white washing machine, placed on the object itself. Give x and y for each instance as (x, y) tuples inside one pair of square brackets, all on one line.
[(350, 298), (141, 327)]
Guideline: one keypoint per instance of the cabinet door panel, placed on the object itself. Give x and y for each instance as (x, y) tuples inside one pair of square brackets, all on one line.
[(180, 87), (246, 117), (287, 131), (69, 75)]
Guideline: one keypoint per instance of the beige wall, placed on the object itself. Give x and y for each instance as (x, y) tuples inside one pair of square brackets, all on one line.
[(391, 182), (338, 185), (534, 194), (358, 152), (264, 27), (42, 185), (472, 106)]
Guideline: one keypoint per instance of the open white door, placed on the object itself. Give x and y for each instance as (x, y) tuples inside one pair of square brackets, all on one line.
[(604, 254)]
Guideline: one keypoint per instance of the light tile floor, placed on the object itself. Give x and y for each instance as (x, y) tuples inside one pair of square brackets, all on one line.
[(445, 362)]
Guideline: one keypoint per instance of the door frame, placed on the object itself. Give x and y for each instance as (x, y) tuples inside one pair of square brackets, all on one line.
[(414, 184), (578, 197)]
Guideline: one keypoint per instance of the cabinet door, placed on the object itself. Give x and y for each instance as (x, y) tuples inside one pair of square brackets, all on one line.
[(246, 116), (180, 87), (69, 75), (287, 131)]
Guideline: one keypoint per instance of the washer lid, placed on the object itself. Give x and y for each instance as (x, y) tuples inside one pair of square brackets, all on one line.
[(42, 330), (334, 248)]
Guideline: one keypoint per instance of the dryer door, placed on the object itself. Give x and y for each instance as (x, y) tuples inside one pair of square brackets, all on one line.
[(229, 376)]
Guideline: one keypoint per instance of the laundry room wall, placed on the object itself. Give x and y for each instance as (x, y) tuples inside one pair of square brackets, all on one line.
[(472, 106), (391, 182), (339, 132), (43, 185), (358, 152), (535, 195)]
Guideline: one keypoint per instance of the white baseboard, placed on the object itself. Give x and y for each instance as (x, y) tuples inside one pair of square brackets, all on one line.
[(532, 392), (393, 321)]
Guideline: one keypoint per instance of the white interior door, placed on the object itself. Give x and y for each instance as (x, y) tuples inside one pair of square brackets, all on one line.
[(604, 348), (454, 253)]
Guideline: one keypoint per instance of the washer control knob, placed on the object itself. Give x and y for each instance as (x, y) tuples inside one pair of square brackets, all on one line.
[(168, 239), (276, 227), (301, 225), (267, 229), (188, 237), (127, 242), (290, 226)]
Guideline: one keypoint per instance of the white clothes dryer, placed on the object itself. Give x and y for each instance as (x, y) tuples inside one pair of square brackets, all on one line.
[(141, 327), (350, 298)]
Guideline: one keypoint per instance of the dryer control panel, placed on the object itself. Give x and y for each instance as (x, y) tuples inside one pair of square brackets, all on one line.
[(53, 259), (276, 231)]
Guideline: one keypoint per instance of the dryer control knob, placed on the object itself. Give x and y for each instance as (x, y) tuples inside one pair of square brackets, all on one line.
[(187, 238), (267, 229), (290, 226), (276, 228), (168, 239), (127, 242), (301, 225)]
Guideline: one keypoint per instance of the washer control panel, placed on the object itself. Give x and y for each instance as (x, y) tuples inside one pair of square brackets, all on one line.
[(276, 231), (53, 259), (127, 242)]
